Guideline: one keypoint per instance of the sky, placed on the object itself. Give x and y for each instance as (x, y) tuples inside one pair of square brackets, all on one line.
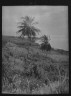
[(52, 21)]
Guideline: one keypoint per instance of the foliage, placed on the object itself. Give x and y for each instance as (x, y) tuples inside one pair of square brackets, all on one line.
[(27, 27), (37, 70), (45, 39), (45, 45)]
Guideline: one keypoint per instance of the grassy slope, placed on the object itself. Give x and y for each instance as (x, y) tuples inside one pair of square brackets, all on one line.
[(60, 56), (21, 42)]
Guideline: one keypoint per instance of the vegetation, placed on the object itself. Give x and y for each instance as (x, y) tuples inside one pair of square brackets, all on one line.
[(31, 73), (45, 43), (26, 28), (27, 69)]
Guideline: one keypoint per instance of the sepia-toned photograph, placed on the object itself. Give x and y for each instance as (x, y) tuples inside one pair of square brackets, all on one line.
[(35, 50)]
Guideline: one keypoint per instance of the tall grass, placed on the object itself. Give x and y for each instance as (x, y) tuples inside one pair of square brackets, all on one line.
[(40, 74)]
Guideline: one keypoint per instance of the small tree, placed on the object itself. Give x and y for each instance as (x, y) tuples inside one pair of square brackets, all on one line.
[(45, 43), (27, 28)]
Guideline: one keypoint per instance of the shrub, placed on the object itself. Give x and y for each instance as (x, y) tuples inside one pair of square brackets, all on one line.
[(46, 47)]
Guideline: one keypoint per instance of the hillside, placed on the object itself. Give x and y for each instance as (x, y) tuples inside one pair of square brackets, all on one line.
[(21, 42), (29, 70)]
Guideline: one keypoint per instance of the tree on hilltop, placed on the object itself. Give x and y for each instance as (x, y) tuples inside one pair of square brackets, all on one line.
[(27, 28)]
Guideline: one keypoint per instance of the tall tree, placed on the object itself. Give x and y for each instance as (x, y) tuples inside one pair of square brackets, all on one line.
[(27, 28)]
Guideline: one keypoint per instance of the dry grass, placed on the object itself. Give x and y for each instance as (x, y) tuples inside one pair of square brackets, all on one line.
[(25, 79)]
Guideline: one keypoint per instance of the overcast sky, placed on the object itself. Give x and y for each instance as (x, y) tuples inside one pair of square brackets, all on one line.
[(52, 20)]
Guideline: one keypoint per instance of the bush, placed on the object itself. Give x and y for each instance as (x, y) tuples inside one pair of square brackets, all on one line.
[(46, 47)]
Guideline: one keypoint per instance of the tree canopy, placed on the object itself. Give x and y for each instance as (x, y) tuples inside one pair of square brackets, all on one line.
[(45, 39), (27, 28)]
